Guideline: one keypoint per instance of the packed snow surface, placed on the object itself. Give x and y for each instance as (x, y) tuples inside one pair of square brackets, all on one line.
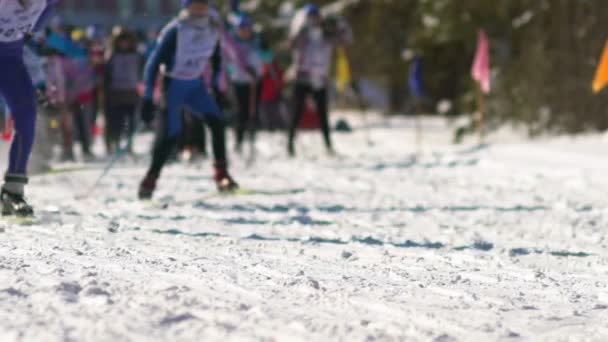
[(505, 241)]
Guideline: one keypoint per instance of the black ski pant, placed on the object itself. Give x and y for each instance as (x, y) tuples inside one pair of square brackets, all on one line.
[(165, 144), (121, 120), (248, 109), (320, 96)]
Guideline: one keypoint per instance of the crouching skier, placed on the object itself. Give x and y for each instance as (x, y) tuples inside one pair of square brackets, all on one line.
[(18, 18), (184, 48)]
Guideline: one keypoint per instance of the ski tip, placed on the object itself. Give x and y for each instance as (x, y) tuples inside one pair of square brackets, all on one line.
[(20, 221)]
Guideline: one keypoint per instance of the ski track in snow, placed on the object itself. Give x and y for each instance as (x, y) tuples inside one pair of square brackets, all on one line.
[(501, 242)]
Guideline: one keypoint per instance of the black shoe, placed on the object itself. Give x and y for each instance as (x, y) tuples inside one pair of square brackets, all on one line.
[(291, 151), (223, 180), (147, 187), (226, 184), (15, 205), (67, 157), (88, 157)]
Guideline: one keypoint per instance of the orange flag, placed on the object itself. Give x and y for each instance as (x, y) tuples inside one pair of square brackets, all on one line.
[(601, 75)]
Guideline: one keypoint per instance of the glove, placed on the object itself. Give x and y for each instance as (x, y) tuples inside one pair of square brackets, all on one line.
[(355, 87), (251, 72), (220, 98), (147, 110), (218, 95), (41, 97)]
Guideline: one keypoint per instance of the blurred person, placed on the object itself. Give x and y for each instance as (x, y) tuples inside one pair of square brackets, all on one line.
[(122, 70), (70, 86), (56, 85), (272, 104), (21, 18), (83, 80), (185, 47), (313, 48), (96, 51), (245, 71)]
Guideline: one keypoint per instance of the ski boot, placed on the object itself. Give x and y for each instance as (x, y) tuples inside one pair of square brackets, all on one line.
[(147, 187), (15, 205), (223, 181)]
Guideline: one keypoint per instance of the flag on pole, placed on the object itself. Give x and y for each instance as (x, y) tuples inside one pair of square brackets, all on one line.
[(343, 73), (415, 81), (601, 75), (481, 65)]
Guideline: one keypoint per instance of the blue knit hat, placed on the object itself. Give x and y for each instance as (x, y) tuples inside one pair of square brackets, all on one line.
[(244, 21), (313, 10)]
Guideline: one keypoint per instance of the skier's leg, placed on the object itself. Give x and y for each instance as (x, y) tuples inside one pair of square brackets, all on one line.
[(82, 118), (109, 128), (299, 104), (182, 140), (131, 125), (120, 125), (199, 135), (67, 131), (241, 92), (17, 89), (254, 119), (323, 111), (115, 124), (202, 104), (170, 126)]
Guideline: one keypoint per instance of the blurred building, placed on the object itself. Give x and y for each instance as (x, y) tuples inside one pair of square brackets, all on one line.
[(132, 13)]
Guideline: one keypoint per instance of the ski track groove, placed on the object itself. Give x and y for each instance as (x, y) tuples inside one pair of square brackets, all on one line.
[(487, 243)]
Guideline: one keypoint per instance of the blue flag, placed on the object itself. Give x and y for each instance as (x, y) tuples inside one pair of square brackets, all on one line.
[(415, 82)]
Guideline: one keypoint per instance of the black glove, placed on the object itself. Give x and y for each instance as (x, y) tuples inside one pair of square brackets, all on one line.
[(41, 97), (356, 87), (251, 72), (220, 98), (147, 110)]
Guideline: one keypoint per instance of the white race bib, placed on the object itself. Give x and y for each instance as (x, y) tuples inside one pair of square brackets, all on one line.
[(317, 58), (195, 46), (16, 20)]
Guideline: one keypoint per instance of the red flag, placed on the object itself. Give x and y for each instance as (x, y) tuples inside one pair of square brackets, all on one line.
[(481, 65)]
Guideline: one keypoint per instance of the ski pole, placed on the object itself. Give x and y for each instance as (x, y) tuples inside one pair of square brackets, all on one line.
[(117, 157), (252, 121), (418, 127), (363, 109)]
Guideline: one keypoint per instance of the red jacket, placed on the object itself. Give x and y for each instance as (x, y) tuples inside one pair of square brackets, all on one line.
[(272, 82)]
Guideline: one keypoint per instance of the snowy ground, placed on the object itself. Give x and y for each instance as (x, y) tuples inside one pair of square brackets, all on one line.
[(504, 242)]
